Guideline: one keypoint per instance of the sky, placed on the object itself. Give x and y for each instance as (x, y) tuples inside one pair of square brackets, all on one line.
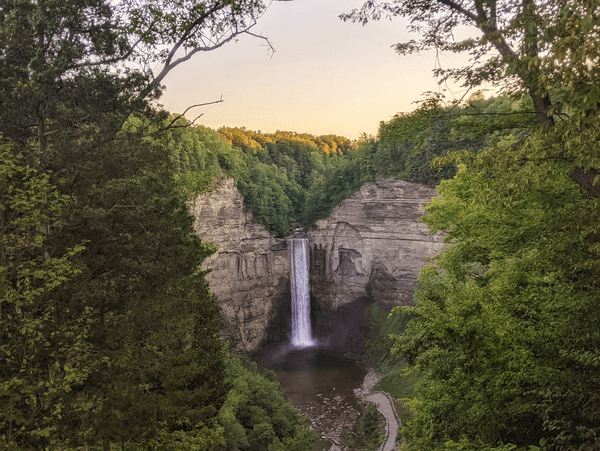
[(325, 77)]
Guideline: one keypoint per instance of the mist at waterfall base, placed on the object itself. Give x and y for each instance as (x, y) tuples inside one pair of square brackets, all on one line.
[(319, 381)]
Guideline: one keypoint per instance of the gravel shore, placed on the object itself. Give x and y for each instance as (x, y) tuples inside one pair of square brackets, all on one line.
[(345, 416)]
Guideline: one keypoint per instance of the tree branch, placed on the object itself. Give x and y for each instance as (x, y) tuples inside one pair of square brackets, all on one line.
[(586, 179), (459, 9), (170, 64), (179, 116)]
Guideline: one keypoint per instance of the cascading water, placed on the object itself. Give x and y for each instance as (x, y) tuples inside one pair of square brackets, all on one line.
[(301, 330)]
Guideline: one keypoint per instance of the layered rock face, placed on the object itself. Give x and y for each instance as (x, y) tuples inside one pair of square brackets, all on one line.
[(249, 273), (373, 245), (370, 249)]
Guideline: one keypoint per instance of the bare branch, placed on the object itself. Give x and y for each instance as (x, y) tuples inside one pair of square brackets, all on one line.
[(196, 118), (179, 116), (171, 64)]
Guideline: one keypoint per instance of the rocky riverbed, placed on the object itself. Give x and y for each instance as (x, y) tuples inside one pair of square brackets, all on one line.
[(322, 384), (333, 415)]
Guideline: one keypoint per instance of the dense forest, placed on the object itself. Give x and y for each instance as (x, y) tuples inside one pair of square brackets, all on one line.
[(291, 180), (109, 333)]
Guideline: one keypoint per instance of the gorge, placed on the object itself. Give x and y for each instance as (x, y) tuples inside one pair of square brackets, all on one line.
[(370, 249)]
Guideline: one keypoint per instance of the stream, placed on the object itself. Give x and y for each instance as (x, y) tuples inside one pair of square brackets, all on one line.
[(320, 383)]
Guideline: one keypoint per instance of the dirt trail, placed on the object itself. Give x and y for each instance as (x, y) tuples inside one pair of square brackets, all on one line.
[(385, 404)]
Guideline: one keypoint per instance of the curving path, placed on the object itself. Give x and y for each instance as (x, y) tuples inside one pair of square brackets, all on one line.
[(385, 405)]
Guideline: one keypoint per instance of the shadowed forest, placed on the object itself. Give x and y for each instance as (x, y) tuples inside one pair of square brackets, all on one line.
[(109, 333)]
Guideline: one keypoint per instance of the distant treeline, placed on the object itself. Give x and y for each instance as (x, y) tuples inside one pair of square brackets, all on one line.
[(292, 179)]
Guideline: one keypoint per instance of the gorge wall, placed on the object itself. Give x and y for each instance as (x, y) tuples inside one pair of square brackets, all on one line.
[(370, 249), (250, 271)]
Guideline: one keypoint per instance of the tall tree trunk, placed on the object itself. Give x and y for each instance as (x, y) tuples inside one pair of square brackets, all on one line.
[(585, 179)]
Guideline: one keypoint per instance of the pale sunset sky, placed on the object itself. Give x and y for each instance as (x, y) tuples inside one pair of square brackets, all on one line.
[(326, 76)]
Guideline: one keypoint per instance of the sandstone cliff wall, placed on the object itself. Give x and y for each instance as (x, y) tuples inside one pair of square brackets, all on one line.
[(250, 271), (370, 249), (372, 245)]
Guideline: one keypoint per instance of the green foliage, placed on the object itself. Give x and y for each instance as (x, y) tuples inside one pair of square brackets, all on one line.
[(410, 142), (543, 50), (398, 381), (256, 416), (497, 328), (368, 431), (303, 440), (156, 327), (382, 327), (121, 332), (193, 157), (326, 144), (204, 439), (273, 172), (35, 327)]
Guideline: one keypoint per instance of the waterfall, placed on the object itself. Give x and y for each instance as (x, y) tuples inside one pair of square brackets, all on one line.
[(301, 331)]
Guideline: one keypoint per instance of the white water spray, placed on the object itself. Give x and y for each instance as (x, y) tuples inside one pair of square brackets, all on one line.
[(301, 330)]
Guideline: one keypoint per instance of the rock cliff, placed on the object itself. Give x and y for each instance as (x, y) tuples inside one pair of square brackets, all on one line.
[(370, 249), (249, 273)]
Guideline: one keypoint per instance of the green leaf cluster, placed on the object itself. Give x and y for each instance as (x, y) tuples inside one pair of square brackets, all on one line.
[(505, 331), (40, 347), (256, 416)]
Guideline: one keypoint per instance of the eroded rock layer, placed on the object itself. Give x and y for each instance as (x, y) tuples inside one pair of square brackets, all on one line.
[(373, 245), (250, 272), (370, 249)]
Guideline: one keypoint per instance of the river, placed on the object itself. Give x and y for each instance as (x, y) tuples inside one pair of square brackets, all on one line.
[(320, 383)]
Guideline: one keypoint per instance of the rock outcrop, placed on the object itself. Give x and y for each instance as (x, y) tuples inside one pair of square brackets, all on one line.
[(249, 273), (373, 245), (370, 249)]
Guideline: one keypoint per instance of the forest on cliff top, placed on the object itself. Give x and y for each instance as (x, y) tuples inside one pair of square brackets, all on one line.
[(290, 179), (109, 334)]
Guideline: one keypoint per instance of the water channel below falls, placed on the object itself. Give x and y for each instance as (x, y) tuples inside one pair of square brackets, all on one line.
[(320, 383)]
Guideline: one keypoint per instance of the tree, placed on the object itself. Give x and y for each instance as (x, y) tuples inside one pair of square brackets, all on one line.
[(511, 28), (497, 328), (154, 324), (122, 332), (65, 65), (547, 49), (40, 343)]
